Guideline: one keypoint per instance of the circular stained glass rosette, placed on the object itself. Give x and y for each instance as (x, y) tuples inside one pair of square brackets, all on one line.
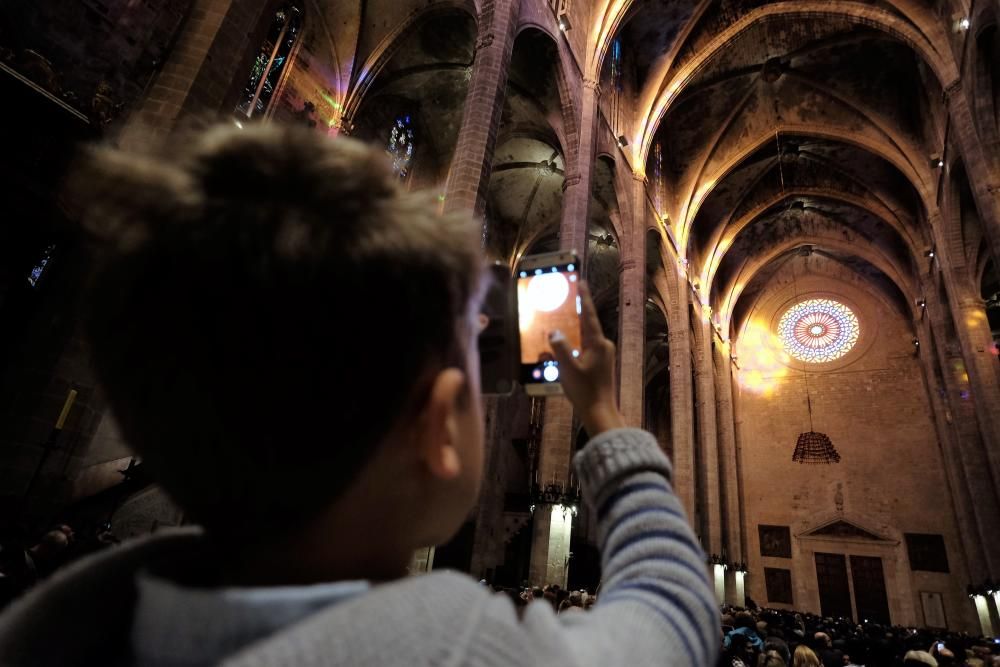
[(818, 330)]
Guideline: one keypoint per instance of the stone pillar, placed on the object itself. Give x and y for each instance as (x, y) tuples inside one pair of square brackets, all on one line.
[(709, 494), (422, 561), (964, 509), (984, 371), (550, 538), (682, 396), (198, 76), (982, 169), (577, 186), (971, 455), (632, 310), (983, 612), (469, 179), (728, 482), (550, 534)]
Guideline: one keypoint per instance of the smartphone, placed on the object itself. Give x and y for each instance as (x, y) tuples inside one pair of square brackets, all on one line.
[(548, 298), (940, 646), (498, 341)]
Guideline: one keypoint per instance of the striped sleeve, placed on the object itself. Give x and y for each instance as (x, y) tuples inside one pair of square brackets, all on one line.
[(655, 593)]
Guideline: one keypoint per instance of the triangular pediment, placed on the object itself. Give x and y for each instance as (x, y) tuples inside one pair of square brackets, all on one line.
[(844, 530)]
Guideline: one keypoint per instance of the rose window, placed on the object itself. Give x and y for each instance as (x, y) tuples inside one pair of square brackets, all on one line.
[(818, 330)]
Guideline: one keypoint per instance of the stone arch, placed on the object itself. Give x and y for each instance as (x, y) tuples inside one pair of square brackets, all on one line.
[(373, 65), (906, 161), (730, 295), (733, 230), (944, 67)]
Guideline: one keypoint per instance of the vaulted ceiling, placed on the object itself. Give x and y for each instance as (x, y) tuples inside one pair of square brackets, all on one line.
[(789, 124)]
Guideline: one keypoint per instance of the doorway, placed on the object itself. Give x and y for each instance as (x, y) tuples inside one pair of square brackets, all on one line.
[(834, 591), (869, 589)]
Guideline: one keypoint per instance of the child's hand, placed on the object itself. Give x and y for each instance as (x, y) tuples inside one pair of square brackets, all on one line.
[(589, 381)]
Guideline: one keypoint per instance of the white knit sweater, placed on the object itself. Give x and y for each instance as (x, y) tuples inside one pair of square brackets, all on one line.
[(656, 605)]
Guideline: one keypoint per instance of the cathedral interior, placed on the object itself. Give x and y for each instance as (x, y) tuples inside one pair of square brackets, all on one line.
[(788, 213)]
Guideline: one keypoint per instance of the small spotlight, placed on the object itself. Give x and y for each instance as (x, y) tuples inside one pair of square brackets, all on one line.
[(922, 303), (916, 343), (929, 253), (238, 124), (937, 162), (963, 24), (564, 23), (622, 141)]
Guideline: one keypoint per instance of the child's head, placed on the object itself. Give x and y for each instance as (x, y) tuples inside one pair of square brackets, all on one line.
[(275, 319)]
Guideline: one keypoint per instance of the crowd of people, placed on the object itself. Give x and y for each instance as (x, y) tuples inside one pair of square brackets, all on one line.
[(776, 638)]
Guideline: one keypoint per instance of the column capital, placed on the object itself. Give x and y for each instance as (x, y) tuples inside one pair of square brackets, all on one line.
[(592, 84), (484, 41), (571, 180), (952, 88)]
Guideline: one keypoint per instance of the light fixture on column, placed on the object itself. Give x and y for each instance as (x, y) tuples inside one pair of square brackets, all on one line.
[(937, 162), (564, 23), (929, 253), (622, 140), (960, 22)]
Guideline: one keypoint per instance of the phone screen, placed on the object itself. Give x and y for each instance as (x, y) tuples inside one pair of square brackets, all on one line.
[(498, 341), (548, 299)]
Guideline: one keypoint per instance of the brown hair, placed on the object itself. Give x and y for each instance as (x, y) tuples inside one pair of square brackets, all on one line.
[(268, 306)]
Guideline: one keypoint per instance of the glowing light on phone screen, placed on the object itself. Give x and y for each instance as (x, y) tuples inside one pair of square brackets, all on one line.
[(547, 292)]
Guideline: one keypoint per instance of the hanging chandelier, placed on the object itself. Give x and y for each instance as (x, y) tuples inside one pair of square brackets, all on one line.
[(811, 447)]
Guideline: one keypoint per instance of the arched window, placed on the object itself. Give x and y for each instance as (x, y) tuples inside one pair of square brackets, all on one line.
[(401, 145), (271, 61)]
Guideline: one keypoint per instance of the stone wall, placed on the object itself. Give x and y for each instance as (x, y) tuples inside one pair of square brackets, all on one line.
[(890, 481)]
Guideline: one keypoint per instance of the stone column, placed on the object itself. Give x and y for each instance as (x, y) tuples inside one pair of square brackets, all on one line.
[(709, 494), (682, 396), (963, 418), (984, 371), (982, 169), (728, 484), (550, 537), (199, 73), (422, 561), (550, 533), (577, 186), (469, 179), (964, 509), (632, 310)]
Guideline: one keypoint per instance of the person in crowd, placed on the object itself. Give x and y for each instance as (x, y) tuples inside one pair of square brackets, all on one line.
[(288, 338), (805, 657), (771, 659), (745, 626), (919, 659)]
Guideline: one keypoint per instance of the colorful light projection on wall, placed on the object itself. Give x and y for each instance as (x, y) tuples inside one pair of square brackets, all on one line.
[(761, 358), (818, 330)]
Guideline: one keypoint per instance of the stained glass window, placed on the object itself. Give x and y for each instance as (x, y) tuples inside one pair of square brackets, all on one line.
[(401, 145), (818, 330), (37, 271), (271, 61), (658, 184), (616, 65)]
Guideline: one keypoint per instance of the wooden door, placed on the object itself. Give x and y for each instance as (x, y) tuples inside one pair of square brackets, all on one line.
[(834, 592), (869, 589)]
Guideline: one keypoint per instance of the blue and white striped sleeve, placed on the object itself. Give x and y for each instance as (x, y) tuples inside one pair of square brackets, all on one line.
[(656, 601)]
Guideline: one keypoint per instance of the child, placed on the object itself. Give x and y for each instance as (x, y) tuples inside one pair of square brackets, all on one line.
[(288, 339)]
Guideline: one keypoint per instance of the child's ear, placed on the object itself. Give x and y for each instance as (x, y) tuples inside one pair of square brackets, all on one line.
[(440, 428)]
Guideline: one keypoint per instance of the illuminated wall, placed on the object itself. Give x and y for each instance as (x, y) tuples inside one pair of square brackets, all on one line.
[(874, 406)]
